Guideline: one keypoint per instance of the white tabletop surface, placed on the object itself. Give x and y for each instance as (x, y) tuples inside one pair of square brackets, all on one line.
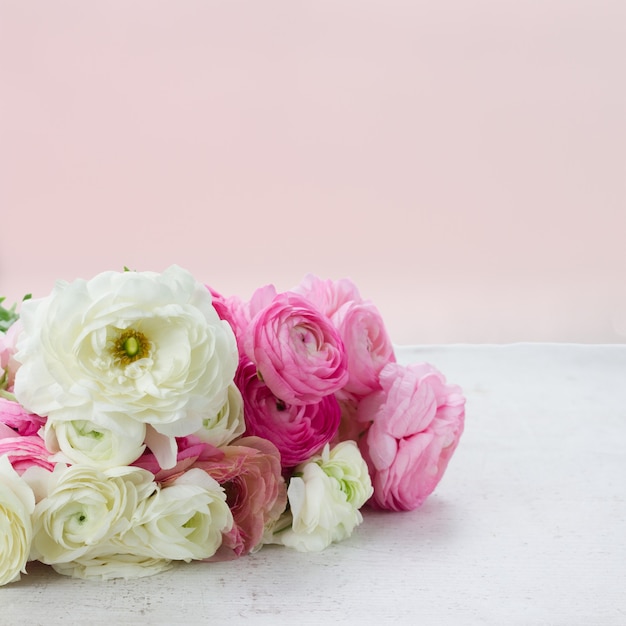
[(528, 525)]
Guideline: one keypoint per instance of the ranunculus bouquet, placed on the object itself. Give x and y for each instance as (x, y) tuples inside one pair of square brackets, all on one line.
[(146, 419)]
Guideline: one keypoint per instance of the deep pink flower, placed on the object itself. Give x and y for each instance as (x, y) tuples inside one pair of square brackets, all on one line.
[(416, 422), (14, 415), (297, 350), (298, 431), (24, 451)]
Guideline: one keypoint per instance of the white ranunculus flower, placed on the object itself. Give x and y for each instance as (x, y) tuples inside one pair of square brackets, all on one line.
[(85, 507), (345, 464), (139, 346), (17, 503), (325, 495), (182, 521), (320, 512), (228, 424), (87, 443)]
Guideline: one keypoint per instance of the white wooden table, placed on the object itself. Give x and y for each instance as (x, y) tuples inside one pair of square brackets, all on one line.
[(528, 526)]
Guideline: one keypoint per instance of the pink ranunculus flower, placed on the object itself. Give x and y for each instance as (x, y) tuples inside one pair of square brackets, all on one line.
[(24, 451), (328, 296), (8, 348), (367, 344), (297, 351), (298, 431), (416, 422), (250, 473), (14, 415)]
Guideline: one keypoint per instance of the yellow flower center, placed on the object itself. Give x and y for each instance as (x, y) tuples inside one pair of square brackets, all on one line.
[(130, 346)]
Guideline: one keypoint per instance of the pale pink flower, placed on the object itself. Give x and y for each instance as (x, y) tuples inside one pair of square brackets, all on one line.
[(297, 350), (328, 295), (298, 431), (367, 344), (416, 422), (24, 451), (13, 414)]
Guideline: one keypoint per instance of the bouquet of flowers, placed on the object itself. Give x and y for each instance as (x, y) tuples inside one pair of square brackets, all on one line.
[(147, 419)]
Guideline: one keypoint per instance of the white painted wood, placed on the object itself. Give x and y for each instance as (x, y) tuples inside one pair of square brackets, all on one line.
[(528, 526)]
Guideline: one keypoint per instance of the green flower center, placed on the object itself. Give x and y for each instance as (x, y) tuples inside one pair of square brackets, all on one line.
[(84, 430), (130, 346)]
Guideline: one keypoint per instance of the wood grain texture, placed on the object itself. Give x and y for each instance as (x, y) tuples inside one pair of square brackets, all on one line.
[(528, 526)]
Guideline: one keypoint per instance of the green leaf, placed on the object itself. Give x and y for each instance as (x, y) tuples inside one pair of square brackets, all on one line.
[(9, 316)]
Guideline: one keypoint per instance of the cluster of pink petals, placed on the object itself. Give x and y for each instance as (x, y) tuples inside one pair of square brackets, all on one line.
[(416, 422), (297, 350), (19, 429), (328, 295), (19, 438), (24, 451), (293, 369), (14, 415), (319, 366), (298, 431)]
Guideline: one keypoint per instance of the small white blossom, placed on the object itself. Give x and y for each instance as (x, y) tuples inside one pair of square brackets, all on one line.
[(325, 495)]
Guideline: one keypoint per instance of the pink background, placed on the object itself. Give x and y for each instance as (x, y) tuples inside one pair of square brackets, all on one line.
[(464, 162)]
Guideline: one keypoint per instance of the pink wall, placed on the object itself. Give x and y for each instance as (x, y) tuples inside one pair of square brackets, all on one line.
[(463, 162)]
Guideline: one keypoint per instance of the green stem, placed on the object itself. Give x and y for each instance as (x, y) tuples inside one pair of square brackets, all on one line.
[(7, 395)]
